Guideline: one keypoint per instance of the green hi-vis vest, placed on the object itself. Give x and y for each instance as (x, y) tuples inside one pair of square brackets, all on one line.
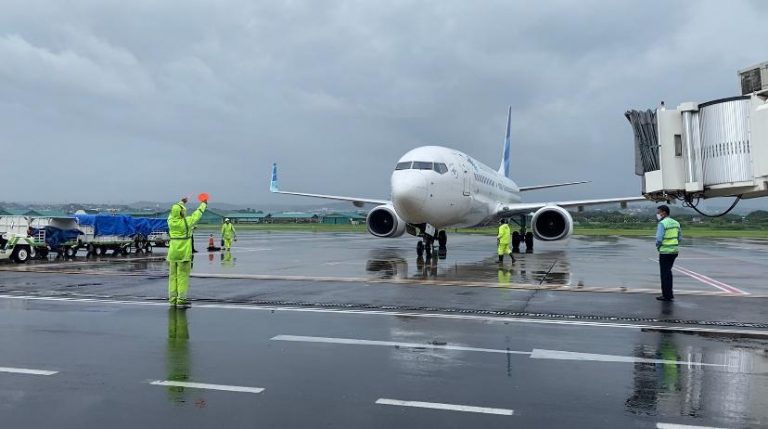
[(671, 230)]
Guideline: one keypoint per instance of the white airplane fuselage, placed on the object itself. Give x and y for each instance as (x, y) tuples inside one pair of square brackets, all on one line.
[(463, 193)]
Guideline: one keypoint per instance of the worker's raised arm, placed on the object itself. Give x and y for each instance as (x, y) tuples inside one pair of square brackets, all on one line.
[(196, 215)]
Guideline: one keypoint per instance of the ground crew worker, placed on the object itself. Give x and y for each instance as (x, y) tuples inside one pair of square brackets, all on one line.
[(668, 235), (180, 250), (503, 240), (227, 233)]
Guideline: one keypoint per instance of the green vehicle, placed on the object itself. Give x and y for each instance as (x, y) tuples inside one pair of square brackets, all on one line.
[(17, 248)]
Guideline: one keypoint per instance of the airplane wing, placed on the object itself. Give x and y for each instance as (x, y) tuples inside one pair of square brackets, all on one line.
[(521, 208), (553, 185), (358, 202)]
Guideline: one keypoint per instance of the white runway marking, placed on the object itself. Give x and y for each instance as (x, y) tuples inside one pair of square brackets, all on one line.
[(535, 354), (707, 280), (27, 371), (674, 426), (710, 281), (449, 407), (493, 319), (223, 387), (564, 355), (349, 341)]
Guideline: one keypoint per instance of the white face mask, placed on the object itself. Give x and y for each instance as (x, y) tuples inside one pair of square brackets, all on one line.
[(659, 216)]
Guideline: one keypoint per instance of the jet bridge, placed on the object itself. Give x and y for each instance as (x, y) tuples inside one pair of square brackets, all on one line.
[(713, 149)]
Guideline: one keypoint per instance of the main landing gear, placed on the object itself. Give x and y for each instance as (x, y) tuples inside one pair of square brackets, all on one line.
[(522, 236), (427, 244)]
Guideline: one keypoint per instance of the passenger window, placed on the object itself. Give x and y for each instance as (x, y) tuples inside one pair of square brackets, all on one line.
[(440, 168), (403, 165), (418, 165)]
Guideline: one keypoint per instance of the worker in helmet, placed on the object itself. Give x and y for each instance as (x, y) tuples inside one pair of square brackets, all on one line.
[(503, 239), (228, 234), (180, 250)]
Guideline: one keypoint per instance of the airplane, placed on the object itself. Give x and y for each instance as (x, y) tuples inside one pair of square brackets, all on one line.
[(435, 188)]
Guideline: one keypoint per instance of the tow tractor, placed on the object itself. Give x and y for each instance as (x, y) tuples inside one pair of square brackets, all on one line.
[(18, 248)]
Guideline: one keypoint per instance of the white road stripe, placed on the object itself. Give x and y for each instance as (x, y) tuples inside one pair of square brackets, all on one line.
[(350, 341), (674, 426), (500, 319), (564, 355), (27, 371), (535, 354), (241, 389), (449, 407)]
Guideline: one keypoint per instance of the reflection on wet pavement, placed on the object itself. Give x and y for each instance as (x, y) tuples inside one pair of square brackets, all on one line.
[(177, 354), (733, 392)]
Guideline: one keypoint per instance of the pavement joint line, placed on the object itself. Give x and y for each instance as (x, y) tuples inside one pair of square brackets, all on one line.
[(447, 407), (439, 283), (464, 314), (676, 426), (27, 371), (206, 386), (534, 354)]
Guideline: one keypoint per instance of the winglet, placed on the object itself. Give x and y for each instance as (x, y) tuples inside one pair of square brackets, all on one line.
[(504, 169), (273, 184)]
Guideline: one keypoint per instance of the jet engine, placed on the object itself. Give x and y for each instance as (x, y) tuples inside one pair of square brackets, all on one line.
[(552, 223), (383, 221)]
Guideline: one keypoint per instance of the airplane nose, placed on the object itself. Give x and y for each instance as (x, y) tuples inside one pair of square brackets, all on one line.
[(409, 193)]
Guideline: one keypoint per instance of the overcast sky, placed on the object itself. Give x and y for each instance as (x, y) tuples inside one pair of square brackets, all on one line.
[(119, 101)]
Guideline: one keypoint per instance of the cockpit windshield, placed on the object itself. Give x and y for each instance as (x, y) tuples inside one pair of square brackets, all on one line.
[(437, 167)]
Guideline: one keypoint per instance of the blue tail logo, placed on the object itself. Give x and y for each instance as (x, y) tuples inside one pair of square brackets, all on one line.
[(504, 169), (273, 185)]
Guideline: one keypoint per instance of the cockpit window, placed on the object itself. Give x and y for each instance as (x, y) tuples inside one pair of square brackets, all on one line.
[(440, 168), (419, 165), (403, 165)]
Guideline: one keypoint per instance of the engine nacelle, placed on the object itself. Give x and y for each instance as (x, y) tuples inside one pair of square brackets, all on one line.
[(383, 221), (552, 223)]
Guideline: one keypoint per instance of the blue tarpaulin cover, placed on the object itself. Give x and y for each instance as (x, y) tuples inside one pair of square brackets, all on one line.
[(146, 226), (122, 225), (55, 237)]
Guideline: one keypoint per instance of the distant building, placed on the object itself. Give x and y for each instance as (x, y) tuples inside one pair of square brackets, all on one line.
[(248, 217), (13, 212), (343, 219), (210, 216), (294, 217)]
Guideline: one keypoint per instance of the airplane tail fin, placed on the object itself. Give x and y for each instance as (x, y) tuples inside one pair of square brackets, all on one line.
[(504, 169), (273, 184)]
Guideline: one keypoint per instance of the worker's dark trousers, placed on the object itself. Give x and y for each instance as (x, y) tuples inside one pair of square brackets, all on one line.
[(666, 261)]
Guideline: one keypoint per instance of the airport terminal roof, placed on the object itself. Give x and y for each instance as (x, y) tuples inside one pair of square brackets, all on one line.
[(242, 215), (13, 212), (293, 215)]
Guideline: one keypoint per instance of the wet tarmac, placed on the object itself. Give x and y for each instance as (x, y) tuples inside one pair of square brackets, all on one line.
[(719, 266), (143, 365), (343, 330)]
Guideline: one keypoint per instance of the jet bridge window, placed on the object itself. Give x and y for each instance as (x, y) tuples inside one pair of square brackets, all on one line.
[(403, 165), (419, 165), (440, 168)]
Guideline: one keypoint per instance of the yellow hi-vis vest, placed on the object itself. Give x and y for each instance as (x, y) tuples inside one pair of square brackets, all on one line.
[(671, 231)]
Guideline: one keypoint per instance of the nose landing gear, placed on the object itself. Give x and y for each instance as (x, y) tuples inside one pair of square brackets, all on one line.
[(427, 244)]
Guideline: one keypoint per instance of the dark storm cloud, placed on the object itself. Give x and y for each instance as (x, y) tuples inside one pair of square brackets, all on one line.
[(147, 100)]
